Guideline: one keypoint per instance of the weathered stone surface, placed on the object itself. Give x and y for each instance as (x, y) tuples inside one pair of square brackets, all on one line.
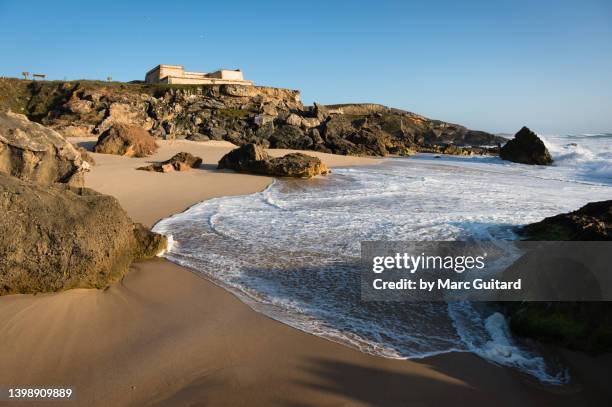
[(239, 157), (247, 114), (126, 140), (198, 137), (295, 165), (148, 244), (85, 156), (584, 326), (239, 90), (56, 237), (179, 162), (591, 222), (526, 148), (294, 120), (251, 158), (35, 153)]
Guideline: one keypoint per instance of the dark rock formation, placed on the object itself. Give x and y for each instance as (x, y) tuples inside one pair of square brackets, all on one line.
[(585, 326), (179, 162), (241, 157), (197, 137), (253, 159), (127, 140), (32, 152), (148, 244), (526, 148), (266, 116), (57, 237), (578, 325), (591, 222)]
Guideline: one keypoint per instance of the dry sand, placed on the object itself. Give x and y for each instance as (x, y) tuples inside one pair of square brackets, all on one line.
[(150, 196), (164, 336)]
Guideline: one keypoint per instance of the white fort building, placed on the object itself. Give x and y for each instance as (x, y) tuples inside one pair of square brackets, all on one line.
[(176, 74)]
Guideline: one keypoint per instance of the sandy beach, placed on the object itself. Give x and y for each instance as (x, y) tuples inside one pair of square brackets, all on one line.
[(164, 336)]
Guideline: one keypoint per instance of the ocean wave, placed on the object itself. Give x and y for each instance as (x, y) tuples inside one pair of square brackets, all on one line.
[(290, 251), (490, 338), (588, 157)]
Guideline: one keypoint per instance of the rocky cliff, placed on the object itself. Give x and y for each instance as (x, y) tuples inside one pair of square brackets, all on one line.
[(267, 116)]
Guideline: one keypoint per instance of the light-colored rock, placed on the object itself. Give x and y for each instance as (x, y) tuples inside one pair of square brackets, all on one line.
[(239, 90), (294, 120), (56, 237), (126, 140), (33, 152)]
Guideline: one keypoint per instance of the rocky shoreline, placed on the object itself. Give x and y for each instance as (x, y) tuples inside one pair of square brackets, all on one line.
[(585, 326), (270, 117), (45, 173), (56, 234)]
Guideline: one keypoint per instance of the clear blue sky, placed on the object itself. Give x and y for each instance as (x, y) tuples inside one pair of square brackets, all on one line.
[(491, 65)]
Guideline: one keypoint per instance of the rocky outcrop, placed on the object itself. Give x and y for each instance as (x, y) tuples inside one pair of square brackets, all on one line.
[(591, 222), (270, 117), (585, 326), (526, 148), (251, 158), (85, 156), (579, 325), (295, 165), (32, 152), (241, 157), (56, 237), (127, 140), (179, 162)]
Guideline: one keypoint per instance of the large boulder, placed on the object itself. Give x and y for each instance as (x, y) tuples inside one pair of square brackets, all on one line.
[(526, 148), (295, 165), (126, 140), (33, 152), (57, 237), (242, 156), (251, 158), (179, 162), (575, 324), (591, 222)]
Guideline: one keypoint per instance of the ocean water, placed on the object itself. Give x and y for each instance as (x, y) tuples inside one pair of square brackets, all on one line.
[(290, 251)]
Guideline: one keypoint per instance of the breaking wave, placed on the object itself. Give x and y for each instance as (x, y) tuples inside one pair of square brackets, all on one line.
[(290, 251)]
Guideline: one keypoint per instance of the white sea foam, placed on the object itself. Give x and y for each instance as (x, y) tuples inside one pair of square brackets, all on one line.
[(583, 157), (490, 338), (290, 251), (170, 246)]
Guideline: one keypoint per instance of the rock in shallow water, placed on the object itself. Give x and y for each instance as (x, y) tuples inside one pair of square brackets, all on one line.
[(526, 148), (252, 158), (57, 237), (579, 325), (591, 222), (32, 152)]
